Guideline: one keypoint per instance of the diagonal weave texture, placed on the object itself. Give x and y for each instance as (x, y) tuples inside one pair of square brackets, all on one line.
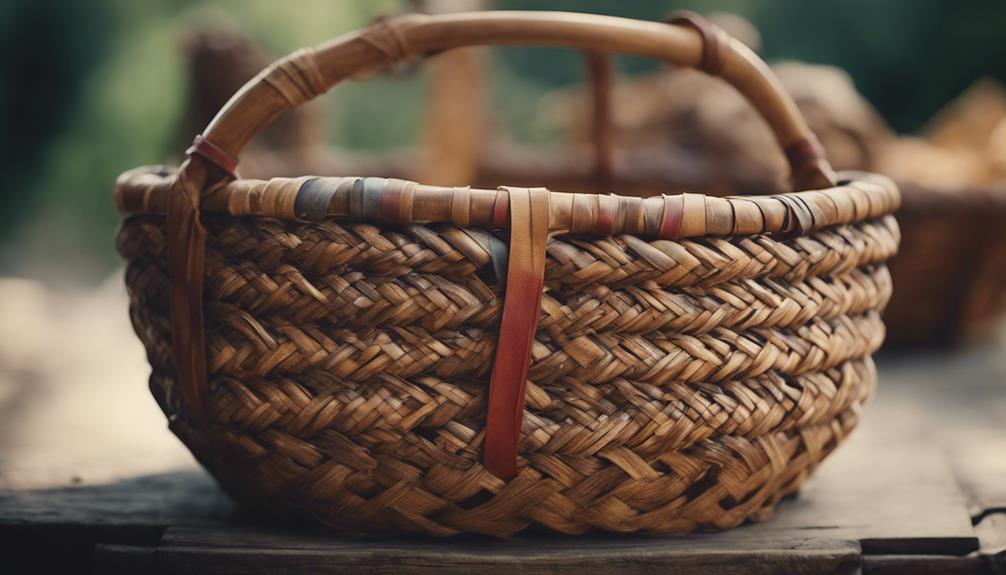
[(674, 386)]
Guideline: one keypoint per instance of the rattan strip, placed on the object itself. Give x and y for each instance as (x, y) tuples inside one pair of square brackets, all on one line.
[(714, 484), (566, 418), (433, 303), (360, 199), (241, 345)]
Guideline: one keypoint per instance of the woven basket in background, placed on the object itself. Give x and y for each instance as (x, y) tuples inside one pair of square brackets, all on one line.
[(951, 266), (688, 131)]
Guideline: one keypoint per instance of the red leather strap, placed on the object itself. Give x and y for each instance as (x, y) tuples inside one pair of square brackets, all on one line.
[(521, 306), (605, 215), (215, 154), (501, 209), (670, 221)]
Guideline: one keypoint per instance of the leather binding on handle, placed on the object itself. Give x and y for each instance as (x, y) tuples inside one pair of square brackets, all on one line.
[(186, 240), (807, 165), (309, 72)]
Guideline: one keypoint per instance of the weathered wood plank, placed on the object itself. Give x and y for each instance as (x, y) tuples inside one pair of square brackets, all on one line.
[(200, 551), (56, 530), (895, 496), (991, 530), (111, 558), (924, 565), (181, 498), (963, 400)]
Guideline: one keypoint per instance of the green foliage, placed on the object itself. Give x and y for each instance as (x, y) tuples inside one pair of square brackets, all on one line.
[(102, 91)]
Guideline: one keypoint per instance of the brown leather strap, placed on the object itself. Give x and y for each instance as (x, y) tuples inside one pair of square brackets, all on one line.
[(525, 279), (396, 202), (804, 154), (461, 207), (186, 240), (206, 165), (713, 39)]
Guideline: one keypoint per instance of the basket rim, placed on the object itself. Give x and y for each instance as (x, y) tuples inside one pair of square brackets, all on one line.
[(859, 196)]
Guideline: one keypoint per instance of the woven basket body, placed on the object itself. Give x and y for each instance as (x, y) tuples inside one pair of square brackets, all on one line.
[(693, 359)]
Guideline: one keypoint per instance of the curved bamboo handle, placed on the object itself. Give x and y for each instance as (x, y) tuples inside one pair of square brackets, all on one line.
[(307, 73)]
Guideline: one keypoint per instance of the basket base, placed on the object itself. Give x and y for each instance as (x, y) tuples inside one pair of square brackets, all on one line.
[(535, 503)]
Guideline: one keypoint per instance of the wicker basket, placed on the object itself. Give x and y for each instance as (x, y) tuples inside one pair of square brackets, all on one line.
[(951, 268), (386, 356)]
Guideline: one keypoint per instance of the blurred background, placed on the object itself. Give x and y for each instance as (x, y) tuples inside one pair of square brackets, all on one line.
[(91, 89)]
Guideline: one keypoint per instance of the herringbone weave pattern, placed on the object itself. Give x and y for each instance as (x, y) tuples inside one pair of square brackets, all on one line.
[(674, 386)]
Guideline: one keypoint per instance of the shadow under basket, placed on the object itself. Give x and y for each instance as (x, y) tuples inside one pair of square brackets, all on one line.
[(383, 356)]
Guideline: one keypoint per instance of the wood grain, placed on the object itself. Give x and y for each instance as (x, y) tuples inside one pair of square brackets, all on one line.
[(198, 550)]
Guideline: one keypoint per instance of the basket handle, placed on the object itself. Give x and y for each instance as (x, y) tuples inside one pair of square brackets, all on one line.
[(305, 74)]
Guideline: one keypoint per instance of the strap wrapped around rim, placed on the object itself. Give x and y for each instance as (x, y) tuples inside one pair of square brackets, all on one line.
[(713, 38), (521, 306), (215, 154), (186, 239)]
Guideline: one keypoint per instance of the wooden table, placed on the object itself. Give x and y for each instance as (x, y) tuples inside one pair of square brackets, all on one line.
[(919, 488)]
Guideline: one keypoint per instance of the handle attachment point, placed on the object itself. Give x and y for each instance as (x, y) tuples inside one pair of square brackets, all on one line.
[(213, 153), (714, 39)]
